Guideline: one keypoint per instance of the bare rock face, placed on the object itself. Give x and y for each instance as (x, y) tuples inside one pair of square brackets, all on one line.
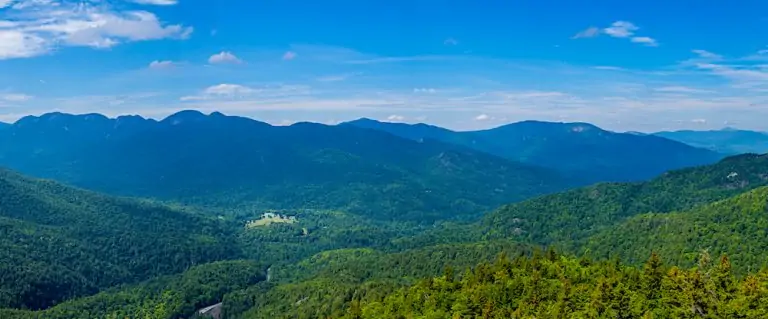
[(213, 311)]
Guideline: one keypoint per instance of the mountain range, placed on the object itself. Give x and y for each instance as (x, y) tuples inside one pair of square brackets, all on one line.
[(224, 161), (575, 149), (348, 221), (726, 141)]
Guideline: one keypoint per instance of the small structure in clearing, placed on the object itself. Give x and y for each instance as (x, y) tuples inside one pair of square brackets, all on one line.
[(270, 218)]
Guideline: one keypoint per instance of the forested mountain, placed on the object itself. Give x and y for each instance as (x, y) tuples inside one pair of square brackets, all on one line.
[(559, 287), (726, 141), (577, 149), (570, 217), (722, 207), (80, 254), (166, 297), (735, 226), (57, 242), (223, 161)]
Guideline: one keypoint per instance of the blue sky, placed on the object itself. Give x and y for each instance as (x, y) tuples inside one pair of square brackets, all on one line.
[(623, 65)]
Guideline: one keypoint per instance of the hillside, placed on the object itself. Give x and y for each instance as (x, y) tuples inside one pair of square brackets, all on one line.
[(569, 217), (577, 149), (223, 161), (59, 242), (735, 226), (726, 141), (322, 285), (174, 296), (560, 287)]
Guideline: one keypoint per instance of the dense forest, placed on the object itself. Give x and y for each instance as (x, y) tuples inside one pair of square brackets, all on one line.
[(57, 242), (553, 286), (167, 297), (329, 224)]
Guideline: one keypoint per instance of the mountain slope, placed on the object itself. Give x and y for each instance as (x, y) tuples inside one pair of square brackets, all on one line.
[(570, 217), (237, 162), (59, 242), (579, 149), (726, 141), (735, 226), (174, 296), (561, 287)]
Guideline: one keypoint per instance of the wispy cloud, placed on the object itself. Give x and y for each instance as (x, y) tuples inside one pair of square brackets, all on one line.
[(451, 41), (336, 77), (681, 89), (160, 64), (483, 117), (645, 40), (14, 97), (224, 57), (609, 68), (621, 29), (224, 90), (618, 29), (35, 27), (156, 2), (290, 55), (707, 55), (396, 118), (590, 32), (236, 92), (424, 90)]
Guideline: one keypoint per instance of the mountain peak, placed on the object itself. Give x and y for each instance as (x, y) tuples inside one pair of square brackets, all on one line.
[(185, 116)]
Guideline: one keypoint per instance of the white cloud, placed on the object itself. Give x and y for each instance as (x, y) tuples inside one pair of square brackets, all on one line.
[(424, 90), (5, 3), (35, 27), (645, 40), (699, 121), (224, 90), (223, 58), (590, 32), (396, 118), (161, 64), (290, 55), (621, 29), (618, 29), (482, 117), (228, 89), (450, 41), (231, 92), (707, 55), (156, 2), (16, 44)]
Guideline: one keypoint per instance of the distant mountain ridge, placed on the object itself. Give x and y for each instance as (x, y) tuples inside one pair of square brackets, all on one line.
[(727, 140), (576, 149), (235, 161)]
